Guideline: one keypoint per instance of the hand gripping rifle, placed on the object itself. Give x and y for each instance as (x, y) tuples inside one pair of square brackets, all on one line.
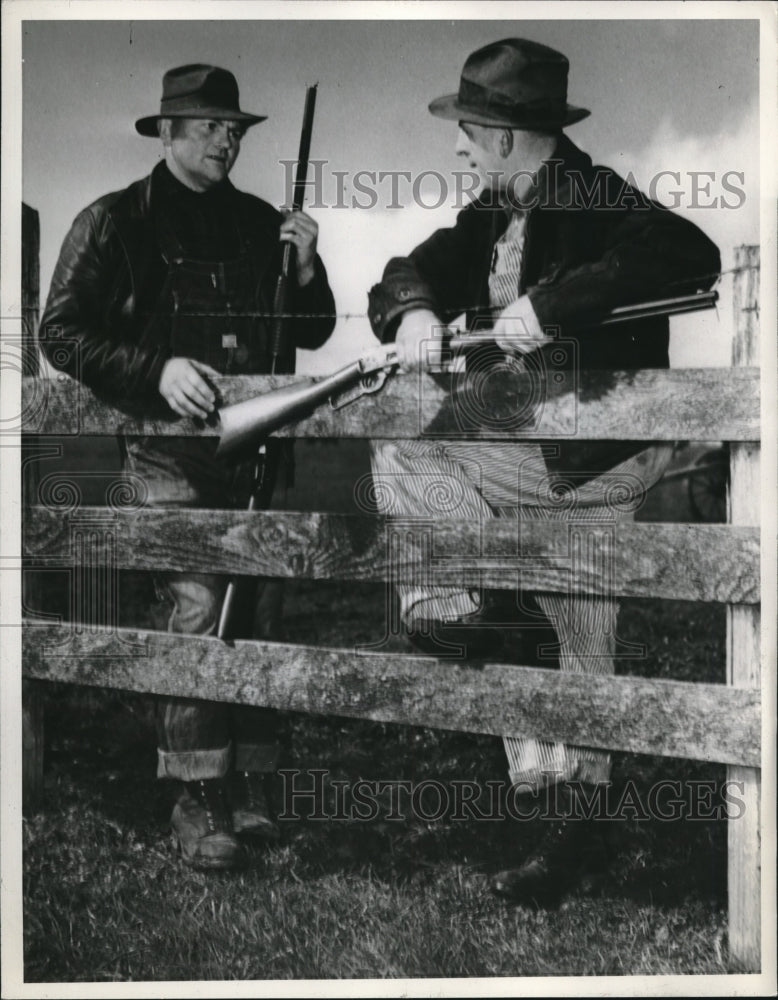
[(226, 623), (242, 424)]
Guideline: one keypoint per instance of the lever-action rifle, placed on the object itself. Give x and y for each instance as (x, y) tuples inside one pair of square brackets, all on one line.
[(225, 627), (242, 424)]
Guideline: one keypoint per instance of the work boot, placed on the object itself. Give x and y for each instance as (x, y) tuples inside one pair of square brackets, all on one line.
[(202, 827), (571, 854), (526, 628), (250, 811), (496, 631), (474, 636)]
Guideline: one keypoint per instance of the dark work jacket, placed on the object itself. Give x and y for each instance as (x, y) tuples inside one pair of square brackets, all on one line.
[(592, 243), (99, 324)]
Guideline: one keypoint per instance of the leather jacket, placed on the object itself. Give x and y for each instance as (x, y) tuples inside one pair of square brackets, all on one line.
[(100, 323), (592, 243)]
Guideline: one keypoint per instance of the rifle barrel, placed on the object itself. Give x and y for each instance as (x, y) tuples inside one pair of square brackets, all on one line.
[(623, 314), (305, 148), (287, 260)]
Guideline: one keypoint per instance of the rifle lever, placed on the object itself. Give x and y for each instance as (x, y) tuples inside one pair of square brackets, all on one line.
[(370, 382)]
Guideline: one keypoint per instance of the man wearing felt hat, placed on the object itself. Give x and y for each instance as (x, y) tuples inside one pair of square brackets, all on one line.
[(157, 289), (549, 246)]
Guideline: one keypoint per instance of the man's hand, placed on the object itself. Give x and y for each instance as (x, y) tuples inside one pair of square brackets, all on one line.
[(302, 232), (184, 387), (517, 330), (417, 331)]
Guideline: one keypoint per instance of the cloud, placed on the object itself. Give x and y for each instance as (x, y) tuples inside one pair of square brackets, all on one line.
[(710, 172), (706, 166)]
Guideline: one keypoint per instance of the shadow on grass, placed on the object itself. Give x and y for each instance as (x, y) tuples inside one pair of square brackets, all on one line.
[(105, 899)]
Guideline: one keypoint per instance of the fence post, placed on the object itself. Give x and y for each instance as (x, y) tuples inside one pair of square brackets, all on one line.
[(32, 692), (743, 644)]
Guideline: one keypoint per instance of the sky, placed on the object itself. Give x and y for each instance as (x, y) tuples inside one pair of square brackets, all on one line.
[(672, 95)]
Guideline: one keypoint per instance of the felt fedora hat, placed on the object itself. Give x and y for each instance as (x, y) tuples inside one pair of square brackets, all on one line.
[(198, 91), (513, 83)]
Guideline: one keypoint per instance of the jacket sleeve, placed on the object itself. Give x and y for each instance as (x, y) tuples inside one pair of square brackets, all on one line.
[(74, 330), (644, 252), (433, 276), (314, 305)]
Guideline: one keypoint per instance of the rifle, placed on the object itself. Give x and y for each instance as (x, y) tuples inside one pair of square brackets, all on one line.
[(226, 624), (279, 302), (243, 423)]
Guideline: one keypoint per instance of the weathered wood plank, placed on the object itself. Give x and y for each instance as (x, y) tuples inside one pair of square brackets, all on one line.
[(670, 718), (689, 562), (743, 645), (694, 404)]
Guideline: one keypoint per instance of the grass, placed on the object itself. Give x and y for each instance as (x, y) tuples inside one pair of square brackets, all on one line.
[(105, 899)]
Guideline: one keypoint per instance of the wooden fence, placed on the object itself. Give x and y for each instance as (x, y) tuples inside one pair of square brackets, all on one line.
[(710, 563)]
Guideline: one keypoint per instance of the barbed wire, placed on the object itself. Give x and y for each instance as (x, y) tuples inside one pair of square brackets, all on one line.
[(458, 309)]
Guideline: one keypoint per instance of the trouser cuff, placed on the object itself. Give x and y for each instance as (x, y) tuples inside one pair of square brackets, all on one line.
[(444, 605), (258, 757), (589, 772), (194, 765)]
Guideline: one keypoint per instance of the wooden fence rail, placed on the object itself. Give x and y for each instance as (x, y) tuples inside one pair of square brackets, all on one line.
[(681, 562), (710, 563), (650, 405), (710, 722)]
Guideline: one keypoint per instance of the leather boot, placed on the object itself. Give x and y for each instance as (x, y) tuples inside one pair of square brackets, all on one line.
[(251, 814), (571, 854), (202, 828)]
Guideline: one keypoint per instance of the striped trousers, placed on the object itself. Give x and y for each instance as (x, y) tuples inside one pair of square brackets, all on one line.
[(478, 480)]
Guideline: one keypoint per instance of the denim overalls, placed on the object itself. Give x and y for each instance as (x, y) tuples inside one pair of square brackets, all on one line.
[(209, 310)]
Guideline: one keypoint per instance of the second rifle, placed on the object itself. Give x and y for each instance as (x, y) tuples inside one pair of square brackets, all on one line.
[(260, 487), (243, 424)]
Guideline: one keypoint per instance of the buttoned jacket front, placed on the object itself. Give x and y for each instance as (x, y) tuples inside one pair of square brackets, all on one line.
[(100, 323), (592, 242)]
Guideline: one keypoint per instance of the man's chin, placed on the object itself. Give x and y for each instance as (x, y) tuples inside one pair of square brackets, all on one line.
[(217, 168)]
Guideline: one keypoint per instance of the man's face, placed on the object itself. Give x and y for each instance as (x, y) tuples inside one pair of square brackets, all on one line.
[(496, 154), (202, 152)]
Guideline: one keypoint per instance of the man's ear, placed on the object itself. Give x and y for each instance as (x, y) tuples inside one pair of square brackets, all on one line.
[(164, 127), (506, 143)]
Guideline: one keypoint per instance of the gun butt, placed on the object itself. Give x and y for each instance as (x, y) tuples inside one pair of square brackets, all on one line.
[(243, 425)]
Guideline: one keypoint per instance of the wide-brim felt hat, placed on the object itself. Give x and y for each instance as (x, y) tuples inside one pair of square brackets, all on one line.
[(513, 83), (198, 91)]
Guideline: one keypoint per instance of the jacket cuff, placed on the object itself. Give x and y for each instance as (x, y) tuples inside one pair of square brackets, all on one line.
[(387, 304)]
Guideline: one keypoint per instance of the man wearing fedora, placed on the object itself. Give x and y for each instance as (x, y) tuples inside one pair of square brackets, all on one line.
[(157, 289), (549, 246)]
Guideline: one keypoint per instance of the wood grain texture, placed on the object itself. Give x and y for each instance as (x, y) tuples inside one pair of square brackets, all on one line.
[(670, 718), (692, 562), (694, 404), (743, 644)]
